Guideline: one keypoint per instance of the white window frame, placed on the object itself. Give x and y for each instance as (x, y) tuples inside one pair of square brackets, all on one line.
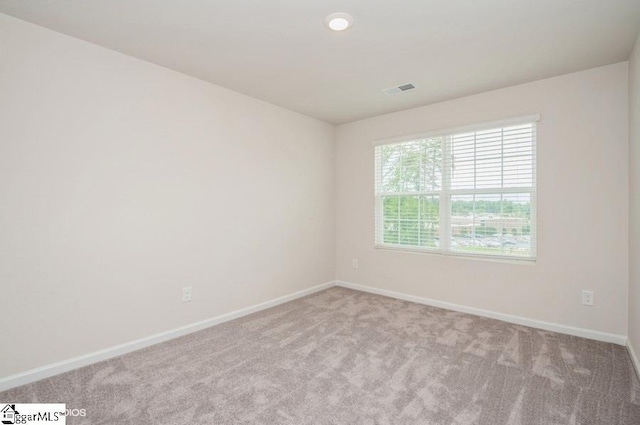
[(446, 192)]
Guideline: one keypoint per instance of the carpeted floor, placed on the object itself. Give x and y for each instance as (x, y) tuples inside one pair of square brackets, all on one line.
[(347, 357)]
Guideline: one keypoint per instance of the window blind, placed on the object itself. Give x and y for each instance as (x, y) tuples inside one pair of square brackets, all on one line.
[(465, 192)]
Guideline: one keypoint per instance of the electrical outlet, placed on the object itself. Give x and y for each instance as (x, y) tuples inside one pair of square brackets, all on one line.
[(186, 294), (354, 263), (587, 297)]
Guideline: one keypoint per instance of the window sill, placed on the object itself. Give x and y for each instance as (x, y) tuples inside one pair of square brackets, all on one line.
[(466, 256)]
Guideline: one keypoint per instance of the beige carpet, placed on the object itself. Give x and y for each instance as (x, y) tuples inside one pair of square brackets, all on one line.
[(347, 357)]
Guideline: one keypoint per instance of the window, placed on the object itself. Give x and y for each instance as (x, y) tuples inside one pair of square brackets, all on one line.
[(470, 191)]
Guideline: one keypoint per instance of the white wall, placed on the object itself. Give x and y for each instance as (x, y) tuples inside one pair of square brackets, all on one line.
[(582, 205), (634, 198), (121, 182)]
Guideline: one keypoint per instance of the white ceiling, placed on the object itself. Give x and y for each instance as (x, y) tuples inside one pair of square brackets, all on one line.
[(281, 52)]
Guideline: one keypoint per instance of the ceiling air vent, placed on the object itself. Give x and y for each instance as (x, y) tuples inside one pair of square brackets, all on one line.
[(399, 89)]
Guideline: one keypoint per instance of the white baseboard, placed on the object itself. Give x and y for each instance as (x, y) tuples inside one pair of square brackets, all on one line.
[(97, 356), (634, 358), (548, 326)]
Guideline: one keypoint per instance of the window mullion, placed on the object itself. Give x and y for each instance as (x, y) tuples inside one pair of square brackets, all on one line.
[(533, 208), (445, 200)]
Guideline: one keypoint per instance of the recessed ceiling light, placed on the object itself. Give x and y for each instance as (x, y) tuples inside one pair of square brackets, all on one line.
[(338, 21)]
